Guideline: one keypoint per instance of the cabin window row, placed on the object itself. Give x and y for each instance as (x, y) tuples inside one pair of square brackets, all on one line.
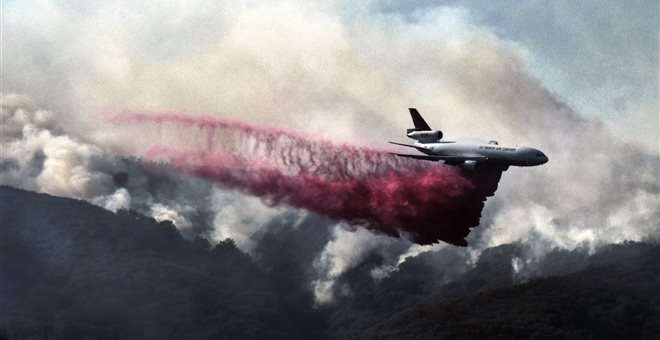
[(497, 148)]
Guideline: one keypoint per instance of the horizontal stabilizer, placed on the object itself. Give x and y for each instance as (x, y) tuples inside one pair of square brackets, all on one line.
[(420, 148)]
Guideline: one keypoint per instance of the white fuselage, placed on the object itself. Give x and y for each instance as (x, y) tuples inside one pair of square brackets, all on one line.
[(468, 153), (493, 153)]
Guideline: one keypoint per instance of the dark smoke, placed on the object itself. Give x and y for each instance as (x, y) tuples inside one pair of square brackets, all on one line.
[(420, 201)]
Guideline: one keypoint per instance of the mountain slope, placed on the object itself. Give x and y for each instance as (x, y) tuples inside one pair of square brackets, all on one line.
[(69, 269), (615, 297)]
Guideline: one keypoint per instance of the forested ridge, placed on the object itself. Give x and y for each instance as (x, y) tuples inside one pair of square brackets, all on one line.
[(71, 270)]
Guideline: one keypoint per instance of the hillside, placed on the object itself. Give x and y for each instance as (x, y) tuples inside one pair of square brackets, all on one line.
[(71, 270), (615, 297)]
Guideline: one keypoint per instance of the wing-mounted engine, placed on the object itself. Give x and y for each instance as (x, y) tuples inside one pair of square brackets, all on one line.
[(469, 165)]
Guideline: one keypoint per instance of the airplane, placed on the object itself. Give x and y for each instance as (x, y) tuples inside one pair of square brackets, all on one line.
[(468, 154)]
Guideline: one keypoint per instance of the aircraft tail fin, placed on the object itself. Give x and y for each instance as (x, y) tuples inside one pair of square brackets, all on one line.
[(420, 123)]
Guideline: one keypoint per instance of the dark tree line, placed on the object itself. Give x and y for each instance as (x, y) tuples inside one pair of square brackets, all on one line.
[(70, 270)]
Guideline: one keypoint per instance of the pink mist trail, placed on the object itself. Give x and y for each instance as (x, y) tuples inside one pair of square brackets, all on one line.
[(421, 201)]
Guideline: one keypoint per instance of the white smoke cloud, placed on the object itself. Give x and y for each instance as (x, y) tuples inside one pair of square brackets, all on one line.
[(119, 200), (40, 157), (67, 169), (344, 251), (240, 218), (384, 271), (37, 154), (540, 221), (344, 74), (161, 212)]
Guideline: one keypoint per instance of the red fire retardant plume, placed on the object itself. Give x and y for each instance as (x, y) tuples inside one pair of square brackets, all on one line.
[(422, 201)]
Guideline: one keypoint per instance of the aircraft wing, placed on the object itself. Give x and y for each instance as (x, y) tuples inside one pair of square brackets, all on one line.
[(436, 158)]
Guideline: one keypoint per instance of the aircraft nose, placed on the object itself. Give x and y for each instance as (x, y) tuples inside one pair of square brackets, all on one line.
[(541, 158)]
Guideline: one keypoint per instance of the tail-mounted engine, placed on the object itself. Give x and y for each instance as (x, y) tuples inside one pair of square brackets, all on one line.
[(428, 136)]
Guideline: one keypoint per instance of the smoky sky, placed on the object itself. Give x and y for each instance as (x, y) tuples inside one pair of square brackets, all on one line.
[(330, 72)]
